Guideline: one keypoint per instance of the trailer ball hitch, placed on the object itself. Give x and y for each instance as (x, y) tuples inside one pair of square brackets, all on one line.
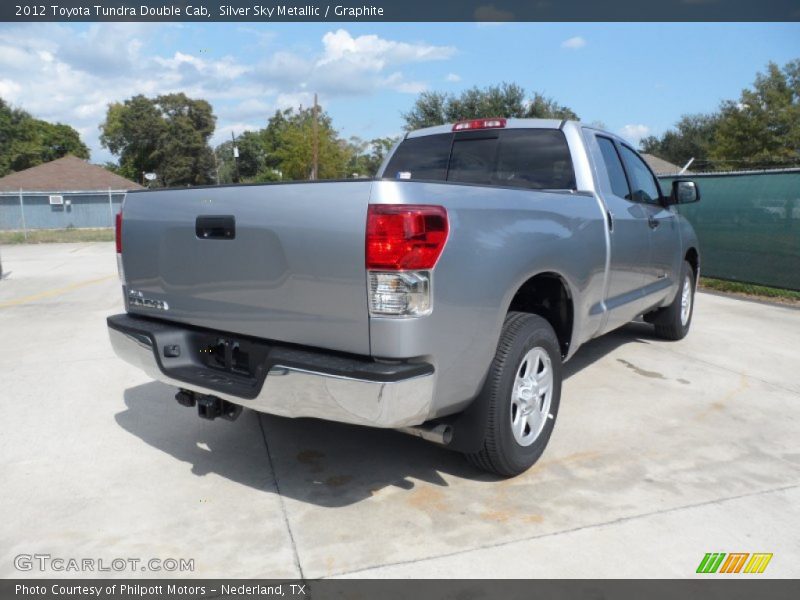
[(209, 407)]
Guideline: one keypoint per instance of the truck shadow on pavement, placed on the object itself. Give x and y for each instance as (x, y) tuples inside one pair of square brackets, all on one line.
[(318, 462)]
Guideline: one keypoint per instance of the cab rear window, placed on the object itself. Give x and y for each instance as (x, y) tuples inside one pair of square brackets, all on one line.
[(527, 158)]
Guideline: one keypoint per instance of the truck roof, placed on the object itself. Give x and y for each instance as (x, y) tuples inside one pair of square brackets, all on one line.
[(510, 124)]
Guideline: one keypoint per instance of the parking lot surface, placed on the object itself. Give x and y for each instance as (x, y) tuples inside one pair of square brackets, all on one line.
[(663, 451)]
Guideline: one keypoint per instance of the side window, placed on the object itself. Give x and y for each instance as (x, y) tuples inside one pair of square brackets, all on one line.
[(422, 158), (645, 187), (534, 158), (616, 174)]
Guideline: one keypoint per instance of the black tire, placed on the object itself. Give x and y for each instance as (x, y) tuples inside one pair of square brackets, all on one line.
[(668, 322), (500, 452)]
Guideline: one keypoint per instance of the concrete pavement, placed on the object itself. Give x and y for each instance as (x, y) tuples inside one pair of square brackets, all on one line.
[(662, 452)]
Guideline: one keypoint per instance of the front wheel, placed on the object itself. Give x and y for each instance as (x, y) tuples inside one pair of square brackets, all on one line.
[(522, 390), (673, 322)]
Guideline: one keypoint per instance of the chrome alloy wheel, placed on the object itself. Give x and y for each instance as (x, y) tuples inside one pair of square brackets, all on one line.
[(686, 300), (531, 396)]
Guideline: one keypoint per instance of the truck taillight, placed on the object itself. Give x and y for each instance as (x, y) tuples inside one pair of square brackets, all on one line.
[(405, 236), (495, 123), (404, 242), (118, 239)]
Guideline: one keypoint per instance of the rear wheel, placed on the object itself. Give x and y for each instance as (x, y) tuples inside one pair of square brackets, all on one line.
[(673, 322), (522, 391)]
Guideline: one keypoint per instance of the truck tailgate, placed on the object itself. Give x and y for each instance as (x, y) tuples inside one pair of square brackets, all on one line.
[(292, 268)]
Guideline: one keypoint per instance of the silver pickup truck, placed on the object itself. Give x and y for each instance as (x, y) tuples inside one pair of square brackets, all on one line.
[(440, 298)]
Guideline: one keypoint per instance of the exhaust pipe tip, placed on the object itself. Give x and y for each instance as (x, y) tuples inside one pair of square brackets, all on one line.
[(441, 434)]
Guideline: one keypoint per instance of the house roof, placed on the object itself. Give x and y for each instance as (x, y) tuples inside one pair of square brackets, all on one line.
[(659, 165), (69, 173)]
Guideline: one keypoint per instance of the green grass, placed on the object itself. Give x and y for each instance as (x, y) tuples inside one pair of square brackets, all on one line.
[(49, 236), (749, 289)]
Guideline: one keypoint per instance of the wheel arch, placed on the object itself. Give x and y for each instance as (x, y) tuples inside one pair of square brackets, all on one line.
[(548, 295), (692, 256)]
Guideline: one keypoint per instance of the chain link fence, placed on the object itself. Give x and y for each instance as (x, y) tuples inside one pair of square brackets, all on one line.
[(25, 210)]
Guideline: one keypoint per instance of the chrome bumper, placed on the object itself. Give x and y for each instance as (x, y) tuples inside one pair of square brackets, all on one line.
[(293, 392)]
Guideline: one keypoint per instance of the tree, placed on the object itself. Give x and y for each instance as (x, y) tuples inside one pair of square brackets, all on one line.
[(251, 160), (167, 135), (430, 108), (542, 107), (132, 131), (366, 157), (58, 139), (692, 137), (26, 141), (284, 150), (504, 100), (293, 138), (184, 154), (762, 128), (759, 130)]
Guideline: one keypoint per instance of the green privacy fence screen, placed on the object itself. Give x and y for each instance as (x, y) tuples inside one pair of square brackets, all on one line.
[(748, 225)]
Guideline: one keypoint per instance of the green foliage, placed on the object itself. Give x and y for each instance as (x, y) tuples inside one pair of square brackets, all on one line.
[(251, 161), (366, 157), (283, 150), (113, 167), (295, 149), (167, 135), (504, 100), (693, 137), (760, 130), (26, 142), (542, 107), (132, 131)]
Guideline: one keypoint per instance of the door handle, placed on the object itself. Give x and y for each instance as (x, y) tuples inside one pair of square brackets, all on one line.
[(653, 222)]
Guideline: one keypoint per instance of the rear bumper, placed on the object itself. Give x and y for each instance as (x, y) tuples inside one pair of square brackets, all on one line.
[(288, 381)]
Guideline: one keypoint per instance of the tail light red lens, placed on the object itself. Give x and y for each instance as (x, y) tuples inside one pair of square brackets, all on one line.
[(405, 236), (118, 231)]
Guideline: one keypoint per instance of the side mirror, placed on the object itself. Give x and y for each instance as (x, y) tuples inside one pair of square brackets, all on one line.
[(684, 192)]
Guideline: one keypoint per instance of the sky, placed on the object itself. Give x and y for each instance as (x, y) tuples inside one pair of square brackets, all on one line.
[(637, 79)]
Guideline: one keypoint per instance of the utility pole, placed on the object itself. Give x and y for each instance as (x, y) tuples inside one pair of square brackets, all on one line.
[(315, 142), (235, 156)]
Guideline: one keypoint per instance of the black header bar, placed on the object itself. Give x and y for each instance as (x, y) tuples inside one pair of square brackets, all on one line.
[(399, 10), (711, 587)]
